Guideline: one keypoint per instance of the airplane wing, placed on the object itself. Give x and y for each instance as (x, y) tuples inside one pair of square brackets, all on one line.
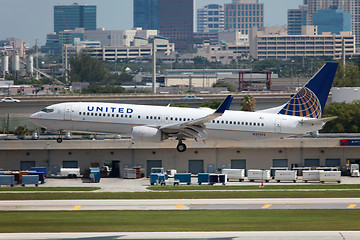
[(195, 128)]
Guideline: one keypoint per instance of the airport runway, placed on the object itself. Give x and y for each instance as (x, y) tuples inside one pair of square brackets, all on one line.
[(180, 204), (313, 235)]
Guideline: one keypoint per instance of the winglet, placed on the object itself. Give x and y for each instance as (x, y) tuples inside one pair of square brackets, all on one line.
[(225, 105)]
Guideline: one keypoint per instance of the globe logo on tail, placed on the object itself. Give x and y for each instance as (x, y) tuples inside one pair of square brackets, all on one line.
[(304, 104)]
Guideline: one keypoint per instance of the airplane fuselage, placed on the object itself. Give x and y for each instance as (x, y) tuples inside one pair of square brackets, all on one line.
[(121, 118)]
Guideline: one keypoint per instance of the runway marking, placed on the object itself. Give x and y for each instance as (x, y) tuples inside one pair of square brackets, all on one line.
[(266, 206), (352, 205), (77, 207), (179, 206)]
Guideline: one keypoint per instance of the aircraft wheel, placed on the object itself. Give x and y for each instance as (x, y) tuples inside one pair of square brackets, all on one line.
[(59, 140), (181, 147)]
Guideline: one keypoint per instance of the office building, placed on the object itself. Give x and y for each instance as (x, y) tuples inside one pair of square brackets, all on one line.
[(69, 17), (296, 19), (210, 18), (176, 22), (283, 46), (243, 15), (146, 14), (117, 37), (332, 20)]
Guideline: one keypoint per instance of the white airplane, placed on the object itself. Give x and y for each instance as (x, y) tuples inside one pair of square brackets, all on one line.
[(300, 115)]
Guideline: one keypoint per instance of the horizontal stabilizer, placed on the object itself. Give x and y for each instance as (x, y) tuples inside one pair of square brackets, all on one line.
[(317, 120)]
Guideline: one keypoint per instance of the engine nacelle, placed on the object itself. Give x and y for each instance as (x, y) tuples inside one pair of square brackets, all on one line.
[(148, 134)]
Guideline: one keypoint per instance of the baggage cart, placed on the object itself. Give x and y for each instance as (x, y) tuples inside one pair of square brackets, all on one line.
[(217, 178), (260, 175), (129, 173), (183, 177), (39, 169), (281, 175), (203, 177), (312, 175), (157, 178), (41, 176), (274, 169), (330, 176), (7, 180), (235, 174), (30, 179)]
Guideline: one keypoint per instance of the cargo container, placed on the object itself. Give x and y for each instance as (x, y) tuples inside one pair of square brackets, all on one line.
[(330, 176), (260, 175), (311, 175), (129, 173), (281, 175), (217, 178), (203, 177), (7, 180), (234, 174), (183, 177), (157, 178), (30, 179), (39, 169)]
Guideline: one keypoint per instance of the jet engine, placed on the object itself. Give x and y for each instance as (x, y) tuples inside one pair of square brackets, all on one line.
[(148, 134)]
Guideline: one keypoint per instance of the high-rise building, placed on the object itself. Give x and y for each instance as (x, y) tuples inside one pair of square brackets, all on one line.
[(332, 20), (210, 18), (69, 17), (296, 19), (146, 14), (243, 15), (176, 21), (315, 5), (349, 6)]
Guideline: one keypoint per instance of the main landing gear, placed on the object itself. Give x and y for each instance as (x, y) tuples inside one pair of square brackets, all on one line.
[(181, 147), (59, 139)]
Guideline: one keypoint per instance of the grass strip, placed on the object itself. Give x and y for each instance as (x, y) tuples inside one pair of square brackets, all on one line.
[(180, 195), (254, 187), (193, 220), (50, 189)]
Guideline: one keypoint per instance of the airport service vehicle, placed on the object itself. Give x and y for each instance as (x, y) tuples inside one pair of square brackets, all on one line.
[(191, 97), (237, 174), (9, 99), (70, 172), (300, 115)]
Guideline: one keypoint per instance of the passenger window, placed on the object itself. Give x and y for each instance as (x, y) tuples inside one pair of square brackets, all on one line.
[(246, 123), (230, 122), (262, 124), (108, 114), (129, 116), (222, 122), (79, 113), (139, 116), (226, 122), (171, 118), (113, 115), (88, 114), (250, 123), (95, 114), (175, 119), (125, 116), (150, 117)]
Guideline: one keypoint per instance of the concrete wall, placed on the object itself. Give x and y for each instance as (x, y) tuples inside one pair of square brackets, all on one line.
[(258, 154)]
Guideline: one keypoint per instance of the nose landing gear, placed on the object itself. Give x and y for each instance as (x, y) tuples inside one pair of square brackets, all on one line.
[(59, 139)]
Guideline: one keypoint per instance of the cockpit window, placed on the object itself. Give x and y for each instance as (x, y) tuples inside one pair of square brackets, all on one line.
[(48, 110)]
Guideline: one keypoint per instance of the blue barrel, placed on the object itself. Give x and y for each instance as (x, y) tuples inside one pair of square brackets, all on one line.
[(183, 177), (40, 174), (203, 177)]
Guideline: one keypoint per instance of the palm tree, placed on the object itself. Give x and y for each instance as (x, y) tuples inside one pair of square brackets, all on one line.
[(248, 103)]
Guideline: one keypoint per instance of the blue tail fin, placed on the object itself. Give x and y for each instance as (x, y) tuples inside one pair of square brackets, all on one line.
[(310, 100)]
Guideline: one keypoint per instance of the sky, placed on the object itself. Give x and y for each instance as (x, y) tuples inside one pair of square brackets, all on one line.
[(31, 20)]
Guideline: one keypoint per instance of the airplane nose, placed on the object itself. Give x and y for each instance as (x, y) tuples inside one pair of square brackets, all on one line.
[(32, 116)]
